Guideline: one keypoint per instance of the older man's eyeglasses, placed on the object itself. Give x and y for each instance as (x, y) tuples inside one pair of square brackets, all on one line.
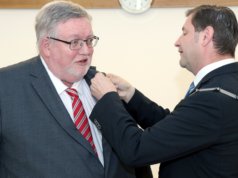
[(77, 43)]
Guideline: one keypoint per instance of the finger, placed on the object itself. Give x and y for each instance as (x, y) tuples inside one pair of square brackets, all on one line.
[(110, 75), (114, 78)]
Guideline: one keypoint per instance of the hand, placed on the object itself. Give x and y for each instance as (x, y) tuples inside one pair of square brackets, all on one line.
[(124, 88), (100, 85)]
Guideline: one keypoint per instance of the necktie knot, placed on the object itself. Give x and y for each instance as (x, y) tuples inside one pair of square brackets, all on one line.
[(191, 88), (72, 92)]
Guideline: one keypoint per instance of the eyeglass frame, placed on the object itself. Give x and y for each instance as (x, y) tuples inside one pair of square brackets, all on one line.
[(78, 40)]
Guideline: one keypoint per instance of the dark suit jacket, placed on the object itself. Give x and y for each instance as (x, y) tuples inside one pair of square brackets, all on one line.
[(37, 136), (199, 139)]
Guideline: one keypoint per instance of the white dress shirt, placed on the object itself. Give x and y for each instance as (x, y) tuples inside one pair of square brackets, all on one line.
[(88, 103), (207, 69)]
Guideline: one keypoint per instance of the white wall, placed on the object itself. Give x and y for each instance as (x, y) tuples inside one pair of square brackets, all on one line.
[(140, 48)]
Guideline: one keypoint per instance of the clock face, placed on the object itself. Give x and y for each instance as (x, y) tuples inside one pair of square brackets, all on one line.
[(135, 6)]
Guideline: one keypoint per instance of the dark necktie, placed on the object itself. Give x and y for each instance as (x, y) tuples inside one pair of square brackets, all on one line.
[(190, 90)]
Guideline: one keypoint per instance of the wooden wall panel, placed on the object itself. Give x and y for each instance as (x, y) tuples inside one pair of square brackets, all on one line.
[(188, 3), (115, 3)]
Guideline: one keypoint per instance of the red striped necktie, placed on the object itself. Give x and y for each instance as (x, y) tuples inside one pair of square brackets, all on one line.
[(80, 118)]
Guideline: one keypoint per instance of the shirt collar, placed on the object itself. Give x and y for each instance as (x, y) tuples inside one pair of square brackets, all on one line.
[(59, 85), (205, 70)]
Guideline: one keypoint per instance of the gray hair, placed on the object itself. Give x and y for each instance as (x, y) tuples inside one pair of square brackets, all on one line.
[(51, 14)]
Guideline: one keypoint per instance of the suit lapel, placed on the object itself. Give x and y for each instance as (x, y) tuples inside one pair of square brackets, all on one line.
[(107, 150), (90, 74), (47, 92)]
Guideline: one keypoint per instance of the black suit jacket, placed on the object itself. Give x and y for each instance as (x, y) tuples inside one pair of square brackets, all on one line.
[(37, 136), (198, 139), (141, 171)]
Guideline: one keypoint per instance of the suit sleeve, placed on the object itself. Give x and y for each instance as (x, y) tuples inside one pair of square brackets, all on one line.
[(183, 131), (139, 107)]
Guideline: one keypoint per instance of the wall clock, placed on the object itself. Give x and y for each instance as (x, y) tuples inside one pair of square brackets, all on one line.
[(135, 6)]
